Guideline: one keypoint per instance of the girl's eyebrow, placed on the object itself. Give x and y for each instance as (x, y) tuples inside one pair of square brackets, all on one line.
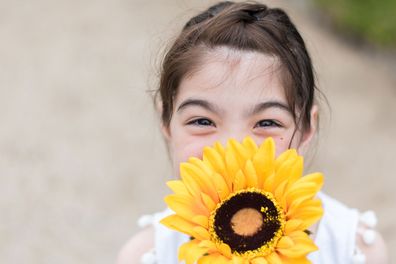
[(269, 104), (198, 102)]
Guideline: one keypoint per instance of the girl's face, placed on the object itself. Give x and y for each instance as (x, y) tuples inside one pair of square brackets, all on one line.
[(233, 94)]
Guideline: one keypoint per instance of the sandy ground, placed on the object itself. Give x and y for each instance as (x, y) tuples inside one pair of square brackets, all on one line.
[(81, 156)]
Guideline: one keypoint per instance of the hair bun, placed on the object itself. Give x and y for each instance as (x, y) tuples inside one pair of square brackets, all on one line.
[(207, 14)]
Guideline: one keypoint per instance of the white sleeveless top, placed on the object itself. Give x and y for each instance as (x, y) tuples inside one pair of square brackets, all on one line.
[(335, 236)]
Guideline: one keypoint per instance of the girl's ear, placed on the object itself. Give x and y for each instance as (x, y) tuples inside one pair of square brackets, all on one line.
[(165, 129), (309, 134)]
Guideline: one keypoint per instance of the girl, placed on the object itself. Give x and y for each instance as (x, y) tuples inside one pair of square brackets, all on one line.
[(241, 69)]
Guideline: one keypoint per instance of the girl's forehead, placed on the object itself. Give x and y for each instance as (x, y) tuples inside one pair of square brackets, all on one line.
[(233, 73), (234, 61)]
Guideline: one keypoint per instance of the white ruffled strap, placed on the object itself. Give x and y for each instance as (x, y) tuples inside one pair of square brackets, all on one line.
[(149, 257), (369, 220)]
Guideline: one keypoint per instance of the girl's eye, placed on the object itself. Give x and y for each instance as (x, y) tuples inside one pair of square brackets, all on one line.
[(201, 122), (267, 123)]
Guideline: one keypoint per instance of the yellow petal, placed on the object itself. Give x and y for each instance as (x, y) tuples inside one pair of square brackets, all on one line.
[(238, 260), (285, 242), (297, 170), (280, 194), (214, 258), (178, 223), (268, 182), (219, 148), (290, 171), (214, 160), (177, 187), (301, 207), (221, 186), (200, 164), (268, 146), (200, 233), (220, 259), (209, 203), (191, 252), (263, 160), (259, 260), (201, 220), (292, 225), (309, 215), (211, 246), (283, 171), (185, 248), (232, 165), (296, 252), (250, 174), (239, 182), (186, 206), (209, 259), (200, 177), (312, 183), (241, 154), (283, 157), (303, 244), (250, 146), (302, 260), (300, 195), (191, 184), (208, 171), (183, 206), (273, 258), (313, 177), (301, 247), (224, 249)]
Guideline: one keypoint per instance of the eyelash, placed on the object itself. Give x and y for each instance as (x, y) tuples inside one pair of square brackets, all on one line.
[(271, 122), (198, 122)]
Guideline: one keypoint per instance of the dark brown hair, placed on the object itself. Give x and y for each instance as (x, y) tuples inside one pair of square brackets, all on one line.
[(248, 26)]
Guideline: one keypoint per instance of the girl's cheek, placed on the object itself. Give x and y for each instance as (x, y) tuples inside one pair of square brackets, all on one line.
[(282, 144), (189, 147)]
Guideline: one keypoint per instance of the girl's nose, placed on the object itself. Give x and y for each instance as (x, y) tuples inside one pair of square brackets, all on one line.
[(238, 135)]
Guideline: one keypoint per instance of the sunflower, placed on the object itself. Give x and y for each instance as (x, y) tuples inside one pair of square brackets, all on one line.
[(241, 204)]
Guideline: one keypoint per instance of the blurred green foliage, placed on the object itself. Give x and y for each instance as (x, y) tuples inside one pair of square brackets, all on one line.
[(373, 20)]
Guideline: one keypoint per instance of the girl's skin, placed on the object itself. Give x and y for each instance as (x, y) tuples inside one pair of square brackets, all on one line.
[(233, 94)]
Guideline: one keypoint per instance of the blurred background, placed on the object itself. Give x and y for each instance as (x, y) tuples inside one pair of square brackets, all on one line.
[(81, 155)]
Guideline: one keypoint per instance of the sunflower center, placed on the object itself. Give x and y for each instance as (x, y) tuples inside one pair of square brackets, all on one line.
[(249, 221), (246, 222)]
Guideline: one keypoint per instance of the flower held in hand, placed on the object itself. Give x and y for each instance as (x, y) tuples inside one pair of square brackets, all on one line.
[(241, 204)]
